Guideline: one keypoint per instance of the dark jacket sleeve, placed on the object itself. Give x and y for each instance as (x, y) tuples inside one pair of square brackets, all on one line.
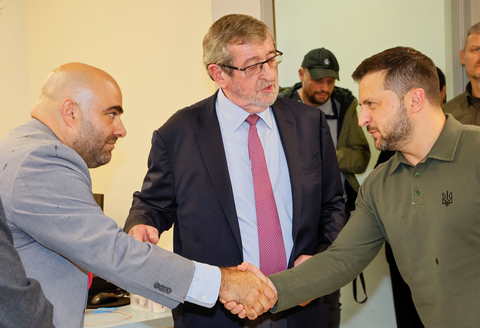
[(155, 204), (332, 202), (23, 303)]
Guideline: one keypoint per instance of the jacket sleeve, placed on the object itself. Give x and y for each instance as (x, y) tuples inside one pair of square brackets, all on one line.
[(155, 204), (332, 215), (356, 246), (52, 203), (353, 152)]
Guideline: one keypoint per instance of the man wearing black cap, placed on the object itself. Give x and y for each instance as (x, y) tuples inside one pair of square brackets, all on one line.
[(317, 88)]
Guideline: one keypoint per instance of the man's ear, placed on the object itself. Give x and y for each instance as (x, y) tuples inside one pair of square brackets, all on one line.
[(300, 73), (70, 112), (462, 57), (218, 74), (416, 99)]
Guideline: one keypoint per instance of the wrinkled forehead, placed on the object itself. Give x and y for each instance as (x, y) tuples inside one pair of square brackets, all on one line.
[(242, 48), (473, 40), (371, 85)]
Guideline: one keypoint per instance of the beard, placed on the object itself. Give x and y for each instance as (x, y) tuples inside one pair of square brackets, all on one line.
[(259, 98), (398, 131), (314, 100), (89, 144)]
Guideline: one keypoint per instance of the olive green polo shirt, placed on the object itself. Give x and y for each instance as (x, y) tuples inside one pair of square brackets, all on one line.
[(465, 107), (430, 215)]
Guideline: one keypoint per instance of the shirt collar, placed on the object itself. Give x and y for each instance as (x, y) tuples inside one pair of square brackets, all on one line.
[(443, 149), (234, 115), (469, 89)]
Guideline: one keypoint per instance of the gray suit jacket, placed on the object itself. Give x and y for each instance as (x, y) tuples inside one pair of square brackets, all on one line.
[(61, 233)]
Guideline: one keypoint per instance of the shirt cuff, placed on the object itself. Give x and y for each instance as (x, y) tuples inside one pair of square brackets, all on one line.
[(205, 285)]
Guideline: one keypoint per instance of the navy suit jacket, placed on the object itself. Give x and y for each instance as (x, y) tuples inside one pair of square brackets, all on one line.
[(188, 185)]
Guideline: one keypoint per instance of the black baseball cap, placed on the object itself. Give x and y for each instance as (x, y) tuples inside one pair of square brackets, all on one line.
[(321, 63)]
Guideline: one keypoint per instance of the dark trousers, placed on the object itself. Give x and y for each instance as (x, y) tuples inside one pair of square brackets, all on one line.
[(405, 311), (333, 301)]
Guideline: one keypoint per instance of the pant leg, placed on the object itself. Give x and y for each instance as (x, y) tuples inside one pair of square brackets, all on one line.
[(405, 312), (333, 301)]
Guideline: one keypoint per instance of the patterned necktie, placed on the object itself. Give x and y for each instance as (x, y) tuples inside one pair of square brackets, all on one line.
[(270, 239)]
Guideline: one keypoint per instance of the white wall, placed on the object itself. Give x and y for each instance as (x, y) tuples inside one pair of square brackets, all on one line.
[(152, 48), (14, 79), (354, 30)]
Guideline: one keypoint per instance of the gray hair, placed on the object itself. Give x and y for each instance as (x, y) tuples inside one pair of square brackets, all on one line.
[(475, 29), (231, 29)]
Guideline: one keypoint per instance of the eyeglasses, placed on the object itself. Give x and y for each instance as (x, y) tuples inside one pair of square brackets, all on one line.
[(258, 67)]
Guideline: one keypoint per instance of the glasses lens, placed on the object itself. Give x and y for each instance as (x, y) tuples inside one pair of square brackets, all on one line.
[(252, 70), (257, 68), (278, 58), (274, 61)]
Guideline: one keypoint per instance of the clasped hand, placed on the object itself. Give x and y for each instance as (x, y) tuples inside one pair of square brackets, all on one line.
[(246, 292)]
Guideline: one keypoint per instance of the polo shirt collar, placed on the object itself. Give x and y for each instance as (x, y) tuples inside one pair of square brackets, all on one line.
[(443, 149)]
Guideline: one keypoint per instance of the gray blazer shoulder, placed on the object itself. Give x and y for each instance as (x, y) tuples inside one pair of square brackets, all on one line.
[(61, 234)]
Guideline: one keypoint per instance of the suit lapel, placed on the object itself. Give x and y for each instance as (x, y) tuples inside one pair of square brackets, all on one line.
[(210, 143), (287, 128)]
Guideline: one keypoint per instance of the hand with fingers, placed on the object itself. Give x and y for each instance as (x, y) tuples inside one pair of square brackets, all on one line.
[(239, 308), (142, 232), (247, 292)]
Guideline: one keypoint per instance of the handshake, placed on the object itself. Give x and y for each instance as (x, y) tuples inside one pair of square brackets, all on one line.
[(245, 291)]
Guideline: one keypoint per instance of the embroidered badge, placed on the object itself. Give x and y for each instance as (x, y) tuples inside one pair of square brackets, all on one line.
[(447, 198), (326, 62)]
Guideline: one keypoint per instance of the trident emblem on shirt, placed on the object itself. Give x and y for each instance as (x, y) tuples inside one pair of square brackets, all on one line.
[(447, 198)]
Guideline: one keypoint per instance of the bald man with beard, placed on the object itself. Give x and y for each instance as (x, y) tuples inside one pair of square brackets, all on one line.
[(59, 231)]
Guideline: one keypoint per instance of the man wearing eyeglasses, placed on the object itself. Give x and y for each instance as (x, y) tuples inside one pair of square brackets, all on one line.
[(242, 175)]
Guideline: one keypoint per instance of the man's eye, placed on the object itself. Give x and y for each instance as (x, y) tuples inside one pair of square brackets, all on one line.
[(253, 68)]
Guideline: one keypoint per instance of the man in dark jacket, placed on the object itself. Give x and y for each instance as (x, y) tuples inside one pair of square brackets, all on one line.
[(208, 176)]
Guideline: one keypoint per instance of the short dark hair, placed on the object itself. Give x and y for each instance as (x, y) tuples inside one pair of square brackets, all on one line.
[(441, 78), (405, 69)]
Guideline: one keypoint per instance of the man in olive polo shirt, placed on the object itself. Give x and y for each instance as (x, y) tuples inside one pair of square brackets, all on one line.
[(423, 201)]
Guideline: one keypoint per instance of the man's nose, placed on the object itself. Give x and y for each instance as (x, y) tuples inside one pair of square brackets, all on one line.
[(268, 72), (120, 130), (364, 118)]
